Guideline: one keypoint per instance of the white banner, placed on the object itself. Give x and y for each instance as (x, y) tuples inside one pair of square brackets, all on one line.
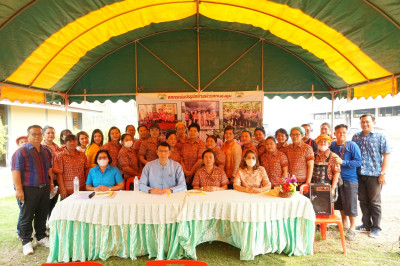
[(213, 111)]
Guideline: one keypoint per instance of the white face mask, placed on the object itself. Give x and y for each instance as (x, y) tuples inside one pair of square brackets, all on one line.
[(323, 148), (251, 162), (128, 144), (103, 162)]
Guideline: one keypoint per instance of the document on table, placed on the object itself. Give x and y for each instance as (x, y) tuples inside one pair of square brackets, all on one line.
[(195, 192)]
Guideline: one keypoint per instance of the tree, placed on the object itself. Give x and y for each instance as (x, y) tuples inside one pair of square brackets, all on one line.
[(3, 137)]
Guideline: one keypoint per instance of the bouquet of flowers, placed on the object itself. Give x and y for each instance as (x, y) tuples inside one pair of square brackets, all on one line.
[(287, 186)]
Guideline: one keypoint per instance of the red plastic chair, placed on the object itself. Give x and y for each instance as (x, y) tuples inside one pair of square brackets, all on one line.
[(84, 263), (128, 182), (324, 220), (174, 262)]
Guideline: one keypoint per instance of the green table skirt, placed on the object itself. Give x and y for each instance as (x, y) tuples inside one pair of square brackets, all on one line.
[(79, 241)]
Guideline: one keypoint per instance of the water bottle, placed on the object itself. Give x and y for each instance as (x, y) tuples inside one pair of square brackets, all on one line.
[(76, 185), (136, 184), (53, 192)]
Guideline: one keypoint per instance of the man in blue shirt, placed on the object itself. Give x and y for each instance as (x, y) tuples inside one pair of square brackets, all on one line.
[(162, 175), (375, 152), (31, 165), (349, 159)]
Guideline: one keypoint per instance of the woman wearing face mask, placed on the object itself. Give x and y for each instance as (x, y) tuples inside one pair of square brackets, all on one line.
[(113, 146), (326, 170), (127, 158), (95, 143), (251, 177), (104, 177), (210, 177), (83, 140)]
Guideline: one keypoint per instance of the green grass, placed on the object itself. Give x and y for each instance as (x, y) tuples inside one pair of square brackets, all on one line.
[(362, 251)]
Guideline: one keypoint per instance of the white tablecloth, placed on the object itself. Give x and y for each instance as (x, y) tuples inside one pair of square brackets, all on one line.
[(128, 207)]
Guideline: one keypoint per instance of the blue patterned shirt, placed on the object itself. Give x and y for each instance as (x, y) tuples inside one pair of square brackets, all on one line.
[(373, 146)]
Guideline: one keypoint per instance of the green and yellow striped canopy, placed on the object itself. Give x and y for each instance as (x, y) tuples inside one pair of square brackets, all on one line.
[(110, 49)]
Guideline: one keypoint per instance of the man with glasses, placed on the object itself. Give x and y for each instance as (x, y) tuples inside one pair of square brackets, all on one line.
[(31, 165), (375, 152), (163, 175), (300, 156)]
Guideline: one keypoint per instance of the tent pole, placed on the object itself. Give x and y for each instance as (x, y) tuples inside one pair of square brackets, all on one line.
[(332, 111), (262, 65), (198, 45)]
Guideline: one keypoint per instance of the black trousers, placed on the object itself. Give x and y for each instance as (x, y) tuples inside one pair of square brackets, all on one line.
[(53, 201), (369, 195), (35, 208)]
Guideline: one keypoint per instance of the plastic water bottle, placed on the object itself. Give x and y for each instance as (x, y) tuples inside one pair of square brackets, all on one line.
[(136, 184), (53, 192), (76, 185)]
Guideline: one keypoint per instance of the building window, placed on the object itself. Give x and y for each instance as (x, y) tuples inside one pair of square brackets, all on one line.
[(320, 116), (358, 113)]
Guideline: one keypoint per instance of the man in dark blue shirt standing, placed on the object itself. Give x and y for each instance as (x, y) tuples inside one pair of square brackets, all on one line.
[(30, 171), (375, 152), (349, 159)]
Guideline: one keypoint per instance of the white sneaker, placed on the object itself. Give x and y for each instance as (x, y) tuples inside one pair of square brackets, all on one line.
[(44, 242), (27, 248)]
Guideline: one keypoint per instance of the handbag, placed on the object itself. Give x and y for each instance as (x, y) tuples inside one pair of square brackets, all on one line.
[(340, 180)]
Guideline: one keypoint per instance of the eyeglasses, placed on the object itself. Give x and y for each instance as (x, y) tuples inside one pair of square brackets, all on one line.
[(295, 135), (163, 150), (102, 158), (35, 134)]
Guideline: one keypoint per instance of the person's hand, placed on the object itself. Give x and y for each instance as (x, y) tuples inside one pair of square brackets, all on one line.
[(338, 160), (166, 191), (51, 186), (209, 188), (19, 194), (333, 192), (103, 188), (63, 193), (382, 180), (155, 191), (254, 190)]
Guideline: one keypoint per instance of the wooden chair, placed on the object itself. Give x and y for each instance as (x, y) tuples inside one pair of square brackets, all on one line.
[(179, 262), (324, 220)]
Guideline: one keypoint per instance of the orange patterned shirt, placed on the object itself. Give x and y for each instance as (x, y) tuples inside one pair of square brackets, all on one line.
[(175, 155), (70, 166), (217, 178), (113, 149), (257, 179), (127, 158), (261, 149), (273, 164), (298, 158), (220, 158), (191, 152), (250, 146), (148, 149)]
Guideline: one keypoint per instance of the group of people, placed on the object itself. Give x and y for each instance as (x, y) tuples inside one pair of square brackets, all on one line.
[(242, 117), (160, 116), (184, 161), (203, 118)]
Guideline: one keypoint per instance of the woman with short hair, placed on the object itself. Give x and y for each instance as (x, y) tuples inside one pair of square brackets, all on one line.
[(127, 158), (104, 177), (251, 177), (210, 177), (282, 137), (275, 162)]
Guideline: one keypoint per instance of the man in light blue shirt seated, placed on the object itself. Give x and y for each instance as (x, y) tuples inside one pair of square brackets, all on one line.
[(163, 175)]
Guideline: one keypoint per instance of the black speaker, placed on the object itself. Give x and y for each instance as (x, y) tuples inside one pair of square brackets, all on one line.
[(321, 198)]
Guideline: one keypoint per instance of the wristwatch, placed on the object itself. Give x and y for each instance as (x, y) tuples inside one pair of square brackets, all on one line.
[(382, 173)]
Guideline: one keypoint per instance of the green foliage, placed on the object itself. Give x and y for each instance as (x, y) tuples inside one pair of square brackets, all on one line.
[(3, 137)]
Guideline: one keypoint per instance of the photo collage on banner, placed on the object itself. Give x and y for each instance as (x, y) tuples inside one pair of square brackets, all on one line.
[(213, 111)]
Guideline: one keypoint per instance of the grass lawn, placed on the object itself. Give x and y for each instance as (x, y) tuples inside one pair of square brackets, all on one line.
[(362, 251)]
